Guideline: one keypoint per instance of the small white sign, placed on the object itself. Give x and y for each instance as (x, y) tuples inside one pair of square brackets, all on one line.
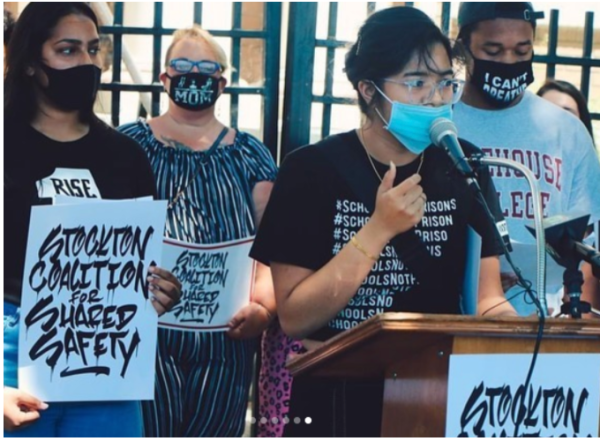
[(217, 281), (87, 326), (72, 182), (487, 396)]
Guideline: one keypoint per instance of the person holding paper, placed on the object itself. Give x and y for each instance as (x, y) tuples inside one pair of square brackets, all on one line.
[(217, 181), (370, 221), (498, 113), (55, 145)]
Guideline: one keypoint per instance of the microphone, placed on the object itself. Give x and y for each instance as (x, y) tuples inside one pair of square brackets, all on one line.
[(564, 234), (443, 134)]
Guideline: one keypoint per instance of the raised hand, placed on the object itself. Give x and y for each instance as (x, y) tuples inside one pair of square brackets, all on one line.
[(399, 208)]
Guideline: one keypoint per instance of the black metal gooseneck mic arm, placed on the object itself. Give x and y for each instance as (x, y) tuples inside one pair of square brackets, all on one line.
[(443, 133)]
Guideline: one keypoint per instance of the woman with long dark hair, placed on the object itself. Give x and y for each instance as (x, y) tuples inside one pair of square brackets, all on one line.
[(51, 133)]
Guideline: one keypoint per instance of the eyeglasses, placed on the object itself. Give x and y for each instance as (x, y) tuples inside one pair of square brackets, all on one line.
[(183, 65), (422, 91)]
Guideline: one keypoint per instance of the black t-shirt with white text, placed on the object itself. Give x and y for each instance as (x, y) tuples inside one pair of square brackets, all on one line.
[(313, 213), (102, 164)]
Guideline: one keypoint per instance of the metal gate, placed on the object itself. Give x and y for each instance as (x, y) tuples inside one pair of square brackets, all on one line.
[(300, 66), (269, 91), (302, 43)]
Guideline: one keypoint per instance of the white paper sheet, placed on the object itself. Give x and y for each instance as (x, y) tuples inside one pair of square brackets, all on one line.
[(487, 398), (217, 281), (88, 329)]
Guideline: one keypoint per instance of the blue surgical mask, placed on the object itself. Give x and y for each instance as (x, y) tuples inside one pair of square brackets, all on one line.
[(410, 123)]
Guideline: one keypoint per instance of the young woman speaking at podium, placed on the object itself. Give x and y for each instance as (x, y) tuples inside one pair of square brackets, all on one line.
[(336, 206)]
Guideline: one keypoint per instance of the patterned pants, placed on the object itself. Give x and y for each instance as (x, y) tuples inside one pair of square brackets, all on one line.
[(202, 385)]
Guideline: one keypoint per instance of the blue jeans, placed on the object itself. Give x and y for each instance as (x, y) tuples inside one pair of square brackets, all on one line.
[(84, 419)]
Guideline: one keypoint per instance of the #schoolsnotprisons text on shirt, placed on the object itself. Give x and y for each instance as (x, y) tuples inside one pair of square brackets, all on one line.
[(313, 213)]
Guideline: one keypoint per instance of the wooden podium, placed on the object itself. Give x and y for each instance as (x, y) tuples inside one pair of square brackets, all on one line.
[(411, 351)]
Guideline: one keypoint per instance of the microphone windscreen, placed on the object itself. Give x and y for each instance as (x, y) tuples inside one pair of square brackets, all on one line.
[(440, 128)]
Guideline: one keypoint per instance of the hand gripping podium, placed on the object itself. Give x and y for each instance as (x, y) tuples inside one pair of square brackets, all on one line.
[(411, 351)]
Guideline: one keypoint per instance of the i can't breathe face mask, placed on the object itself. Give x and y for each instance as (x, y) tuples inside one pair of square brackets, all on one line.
[(500, 83)]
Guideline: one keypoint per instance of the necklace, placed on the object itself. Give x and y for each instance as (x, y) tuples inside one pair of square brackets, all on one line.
[(360, 138), (184, 188)]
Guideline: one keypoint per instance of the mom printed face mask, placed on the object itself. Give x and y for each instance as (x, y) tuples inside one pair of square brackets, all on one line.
[(500, 83), (194, 90)]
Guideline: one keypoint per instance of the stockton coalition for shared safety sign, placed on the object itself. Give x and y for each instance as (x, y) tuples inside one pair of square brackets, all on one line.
[(87, 325), (488, 397), (217, 281)]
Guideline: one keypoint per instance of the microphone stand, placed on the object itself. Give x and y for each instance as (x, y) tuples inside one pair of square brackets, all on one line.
[(573, 279), (478, 160)]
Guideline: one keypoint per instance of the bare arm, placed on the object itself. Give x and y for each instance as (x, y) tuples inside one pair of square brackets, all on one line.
[(491, 299), (260, 195), (264, 293), (254, 318), (590, 291), (307, 300)]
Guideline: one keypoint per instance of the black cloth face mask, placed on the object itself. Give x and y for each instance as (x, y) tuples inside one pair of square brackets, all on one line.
[(500, 83), (194, 90), (74, 88)]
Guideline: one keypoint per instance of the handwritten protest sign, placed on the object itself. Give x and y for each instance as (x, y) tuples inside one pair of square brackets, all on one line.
[(487, 396), (217, 281), (87, 326)]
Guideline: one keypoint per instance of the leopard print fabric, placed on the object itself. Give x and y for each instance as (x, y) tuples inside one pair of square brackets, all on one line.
[(275, 381)]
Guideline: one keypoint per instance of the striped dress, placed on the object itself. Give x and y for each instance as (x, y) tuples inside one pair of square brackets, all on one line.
[(203, 379)]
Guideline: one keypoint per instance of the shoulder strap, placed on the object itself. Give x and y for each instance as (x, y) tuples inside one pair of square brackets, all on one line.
[(363, 183), (219, 138)]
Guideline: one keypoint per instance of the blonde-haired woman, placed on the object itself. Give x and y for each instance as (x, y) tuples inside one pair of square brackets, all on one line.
[(217, 181)]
